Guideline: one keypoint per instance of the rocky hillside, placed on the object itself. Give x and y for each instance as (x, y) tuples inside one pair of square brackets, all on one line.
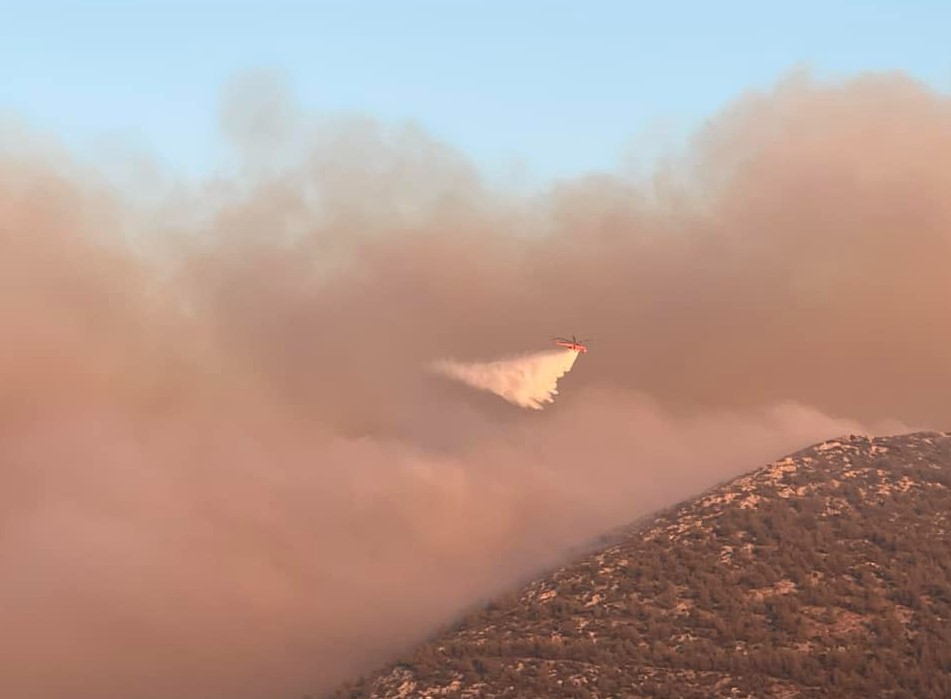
[(825, 574)]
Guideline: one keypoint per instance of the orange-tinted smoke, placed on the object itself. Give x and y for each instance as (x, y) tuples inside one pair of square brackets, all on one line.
[(226, 470)]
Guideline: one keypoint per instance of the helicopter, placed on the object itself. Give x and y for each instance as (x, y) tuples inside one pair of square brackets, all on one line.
[(573, 344)]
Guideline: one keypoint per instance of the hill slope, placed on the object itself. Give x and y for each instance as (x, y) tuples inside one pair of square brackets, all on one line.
[(825, 574)]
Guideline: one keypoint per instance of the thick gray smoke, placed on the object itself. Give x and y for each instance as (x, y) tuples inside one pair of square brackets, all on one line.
[(226, 471)]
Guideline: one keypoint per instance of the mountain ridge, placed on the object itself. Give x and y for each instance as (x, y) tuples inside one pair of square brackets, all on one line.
[(824, 573)]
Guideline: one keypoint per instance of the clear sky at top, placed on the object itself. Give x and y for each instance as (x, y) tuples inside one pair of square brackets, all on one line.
[(562, 87)]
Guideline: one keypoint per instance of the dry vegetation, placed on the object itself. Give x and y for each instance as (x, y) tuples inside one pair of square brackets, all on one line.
[(825, 574)]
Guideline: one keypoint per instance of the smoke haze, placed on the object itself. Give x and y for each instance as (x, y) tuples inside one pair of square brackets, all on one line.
[(226, 471)]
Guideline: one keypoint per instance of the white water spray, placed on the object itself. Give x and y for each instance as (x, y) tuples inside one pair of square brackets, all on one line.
[(528, 381)]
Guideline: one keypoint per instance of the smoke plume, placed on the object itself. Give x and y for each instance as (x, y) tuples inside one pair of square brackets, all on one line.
[(225, 470), (529, 381)]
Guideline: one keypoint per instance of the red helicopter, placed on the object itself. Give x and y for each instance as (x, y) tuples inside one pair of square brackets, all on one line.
[(572, 344)]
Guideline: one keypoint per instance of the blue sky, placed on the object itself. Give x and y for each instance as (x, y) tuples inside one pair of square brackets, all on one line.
[(560, 88)]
